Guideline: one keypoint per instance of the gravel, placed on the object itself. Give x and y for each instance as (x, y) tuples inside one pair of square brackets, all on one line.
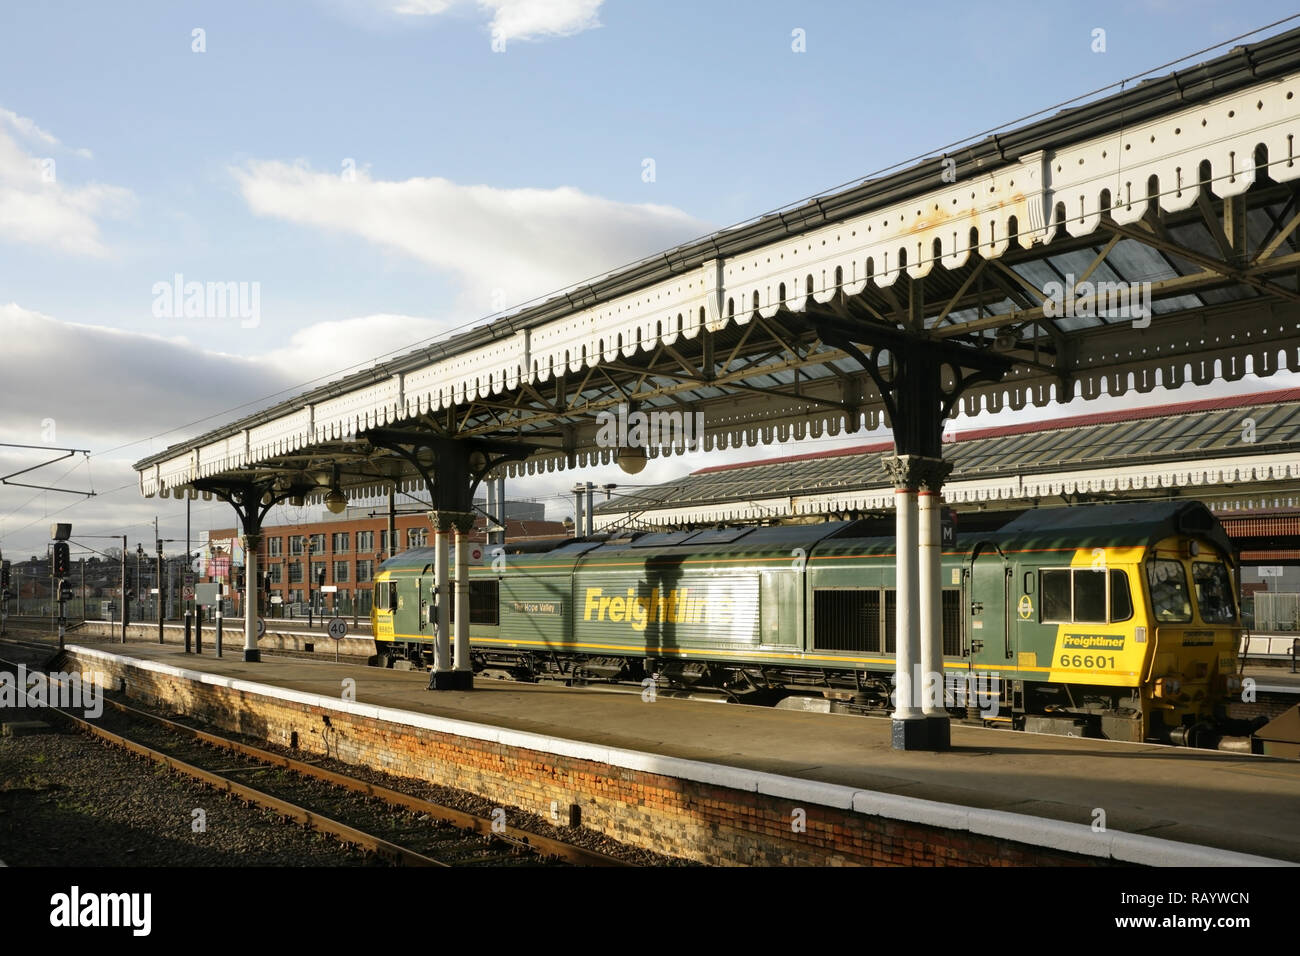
[(68, 800)]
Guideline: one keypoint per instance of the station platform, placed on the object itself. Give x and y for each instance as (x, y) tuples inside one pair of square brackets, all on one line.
[(1155, 804)]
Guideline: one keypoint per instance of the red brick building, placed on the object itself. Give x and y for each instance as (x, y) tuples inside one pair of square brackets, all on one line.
[(344, 553)]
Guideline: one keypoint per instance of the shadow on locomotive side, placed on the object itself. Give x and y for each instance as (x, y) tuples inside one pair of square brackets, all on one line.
[(1112, 620)]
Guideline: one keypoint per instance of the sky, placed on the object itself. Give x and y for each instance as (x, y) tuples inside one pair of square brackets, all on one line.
[(372, 174)]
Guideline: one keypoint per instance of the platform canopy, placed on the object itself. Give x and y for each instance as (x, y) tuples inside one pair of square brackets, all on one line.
[(1239, 455), (995, 260)]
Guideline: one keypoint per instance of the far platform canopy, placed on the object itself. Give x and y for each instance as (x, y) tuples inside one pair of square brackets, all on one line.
[(1232, 453)]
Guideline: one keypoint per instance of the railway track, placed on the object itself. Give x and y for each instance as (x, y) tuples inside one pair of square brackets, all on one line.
[(399, 828)]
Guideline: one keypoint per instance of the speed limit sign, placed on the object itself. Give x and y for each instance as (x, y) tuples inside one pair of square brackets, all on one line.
[(338, 629), (261, 627)]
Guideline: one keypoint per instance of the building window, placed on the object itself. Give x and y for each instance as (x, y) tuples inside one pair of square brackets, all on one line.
[(317, 573), (275, 573), (383, 542), (341, 542), (295, 544), (365, 572), (295, 573), (273, 546), (415, 537), (318, 543), (365, 541), (340, 572)]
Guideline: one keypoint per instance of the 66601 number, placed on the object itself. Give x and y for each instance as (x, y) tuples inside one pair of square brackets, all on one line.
[(1087, 660)]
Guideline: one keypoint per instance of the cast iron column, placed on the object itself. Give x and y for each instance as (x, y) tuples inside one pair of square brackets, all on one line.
[(441, 679), (932, 472), (463, 675), (251, 543), (909, 725)]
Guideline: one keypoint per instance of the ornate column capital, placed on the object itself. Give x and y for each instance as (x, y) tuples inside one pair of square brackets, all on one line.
[(251, 542), (911, 472), (460, 521)]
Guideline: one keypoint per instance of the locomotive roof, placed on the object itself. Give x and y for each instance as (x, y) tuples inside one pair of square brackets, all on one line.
[(1091, 525), (1129, 522)]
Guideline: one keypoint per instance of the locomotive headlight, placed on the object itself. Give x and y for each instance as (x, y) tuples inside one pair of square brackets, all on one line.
[(1193, 548), (1167, 687)]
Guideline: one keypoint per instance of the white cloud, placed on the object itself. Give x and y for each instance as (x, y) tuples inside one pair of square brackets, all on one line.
[(332, 346), (506, 245), (530, 19), (28, 128), (419, 8), (511, 19), (37, 208)]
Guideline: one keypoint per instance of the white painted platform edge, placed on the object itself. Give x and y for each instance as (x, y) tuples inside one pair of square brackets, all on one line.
[(1022, 828)]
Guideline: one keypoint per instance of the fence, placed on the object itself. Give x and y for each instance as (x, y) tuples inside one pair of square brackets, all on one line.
[(1277, 611)]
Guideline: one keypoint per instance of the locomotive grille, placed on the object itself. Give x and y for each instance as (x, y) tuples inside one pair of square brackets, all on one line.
[(891, 621), (951, 623), (484, 601), (847, 620), (850, 619)]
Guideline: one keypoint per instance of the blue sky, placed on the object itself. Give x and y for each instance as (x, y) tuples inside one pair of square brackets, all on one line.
[(482, 177)]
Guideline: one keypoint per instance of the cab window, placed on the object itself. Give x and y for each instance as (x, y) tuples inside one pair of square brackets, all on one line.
[(386, 596), (1170, 601), (1085, 596), (1090, 597), (1121, 601), (1056, 596), (1213, 593)]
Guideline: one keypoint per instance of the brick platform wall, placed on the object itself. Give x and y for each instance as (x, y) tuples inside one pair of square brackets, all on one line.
[(1265, 704), (710, 824)]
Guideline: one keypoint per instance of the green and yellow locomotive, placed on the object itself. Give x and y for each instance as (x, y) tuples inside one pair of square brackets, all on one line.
[(1115, 620)]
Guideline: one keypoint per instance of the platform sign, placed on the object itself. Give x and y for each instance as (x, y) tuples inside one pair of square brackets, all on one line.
[(207, 594), (1270, 571), (189, 580), (328, 588), (338, 629), (276, 599)]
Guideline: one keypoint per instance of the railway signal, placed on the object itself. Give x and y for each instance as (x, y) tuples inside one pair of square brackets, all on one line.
[(61, 559)]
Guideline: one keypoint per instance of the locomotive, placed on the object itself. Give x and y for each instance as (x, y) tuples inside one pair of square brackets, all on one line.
[(1116, 620)]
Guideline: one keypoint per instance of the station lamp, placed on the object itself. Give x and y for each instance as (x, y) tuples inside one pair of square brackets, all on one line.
[(336, 501), (632, 460)]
